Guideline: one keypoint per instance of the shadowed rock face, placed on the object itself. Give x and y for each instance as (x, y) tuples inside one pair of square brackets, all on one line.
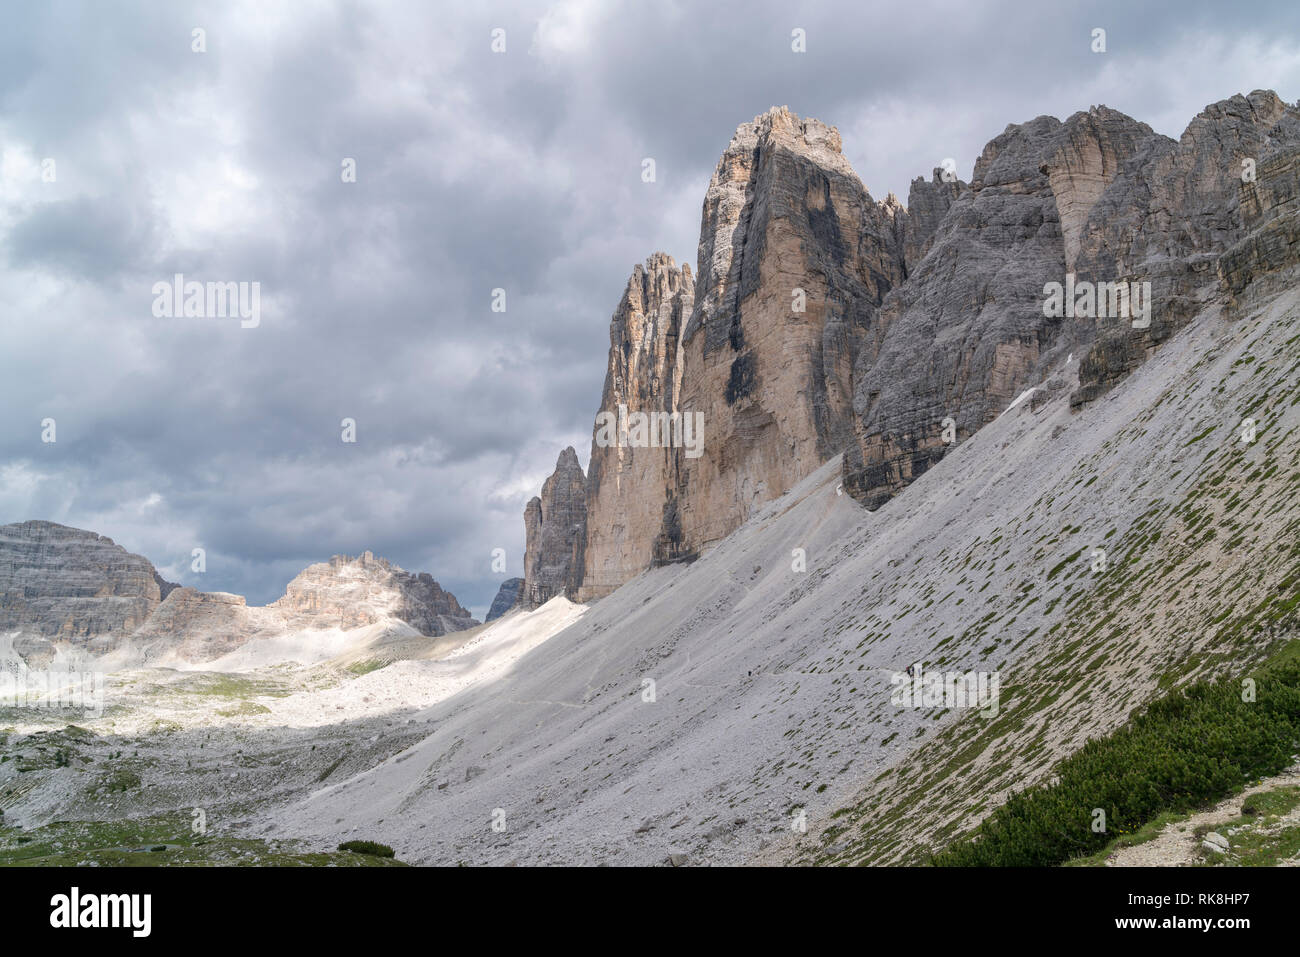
[(507, 596), (1100, 196), (1174, 211), (629, 487), (966, 333), (784, 212), (927, 205), (1270, 210), (64, 584), (555, 528), (165, 587)]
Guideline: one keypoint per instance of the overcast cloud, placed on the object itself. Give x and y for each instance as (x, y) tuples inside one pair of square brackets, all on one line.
[(475, 170)]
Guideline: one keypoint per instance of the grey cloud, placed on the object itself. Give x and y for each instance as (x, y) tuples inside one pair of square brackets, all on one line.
[(476, 171)]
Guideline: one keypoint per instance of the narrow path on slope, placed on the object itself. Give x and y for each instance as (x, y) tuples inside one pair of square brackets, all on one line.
[(1179, 842)]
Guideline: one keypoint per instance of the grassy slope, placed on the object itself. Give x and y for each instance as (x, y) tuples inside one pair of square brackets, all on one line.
[(1189, 748), (158, 841)]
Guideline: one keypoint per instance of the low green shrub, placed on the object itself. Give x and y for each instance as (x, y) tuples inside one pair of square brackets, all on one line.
[(367, 847), (1191, 747)]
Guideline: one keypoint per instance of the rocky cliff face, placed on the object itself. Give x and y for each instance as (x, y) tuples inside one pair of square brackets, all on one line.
[(749, 367), (354, 592), (630, 485), (507, 597), (555, 529), (165, 587), (823, 321), (967, 333), (1101, 198), (200, 626), (795, 258), (1270, 211), (927, 205), (1085, 158), (1168, 218), (61, 584)]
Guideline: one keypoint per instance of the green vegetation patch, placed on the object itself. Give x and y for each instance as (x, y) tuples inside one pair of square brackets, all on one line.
[(1193, 746), (229, 686), (367, 847), (164, 840), (1147, 832)]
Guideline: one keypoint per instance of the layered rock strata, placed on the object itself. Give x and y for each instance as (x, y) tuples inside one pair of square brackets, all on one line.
[(1169, 217), (555, 529), (630, 484), (61, 584)]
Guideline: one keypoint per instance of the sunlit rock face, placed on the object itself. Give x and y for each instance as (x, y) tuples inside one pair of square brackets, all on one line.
[(795, 258), (70, 589), (353, 592), (630, 485)]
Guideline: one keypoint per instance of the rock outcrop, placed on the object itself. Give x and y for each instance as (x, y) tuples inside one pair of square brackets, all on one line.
[(165, 587), (555, 530), (1087, 157), (354, 592), (61, 584), (65, 587), (1098, 199), (507, 597), (927, 205), (1270, 211), (198, 625), (967, 332), (630, 485), (795, 258), (1167, 220), (821, 321), (746, 366)]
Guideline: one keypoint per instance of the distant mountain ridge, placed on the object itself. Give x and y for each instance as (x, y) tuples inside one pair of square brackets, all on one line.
[(71, 588)]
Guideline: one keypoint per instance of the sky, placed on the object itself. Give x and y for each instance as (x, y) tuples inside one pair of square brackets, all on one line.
[(128, 156)]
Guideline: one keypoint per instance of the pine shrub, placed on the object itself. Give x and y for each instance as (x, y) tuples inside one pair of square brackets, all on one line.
[(1189, 748)]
